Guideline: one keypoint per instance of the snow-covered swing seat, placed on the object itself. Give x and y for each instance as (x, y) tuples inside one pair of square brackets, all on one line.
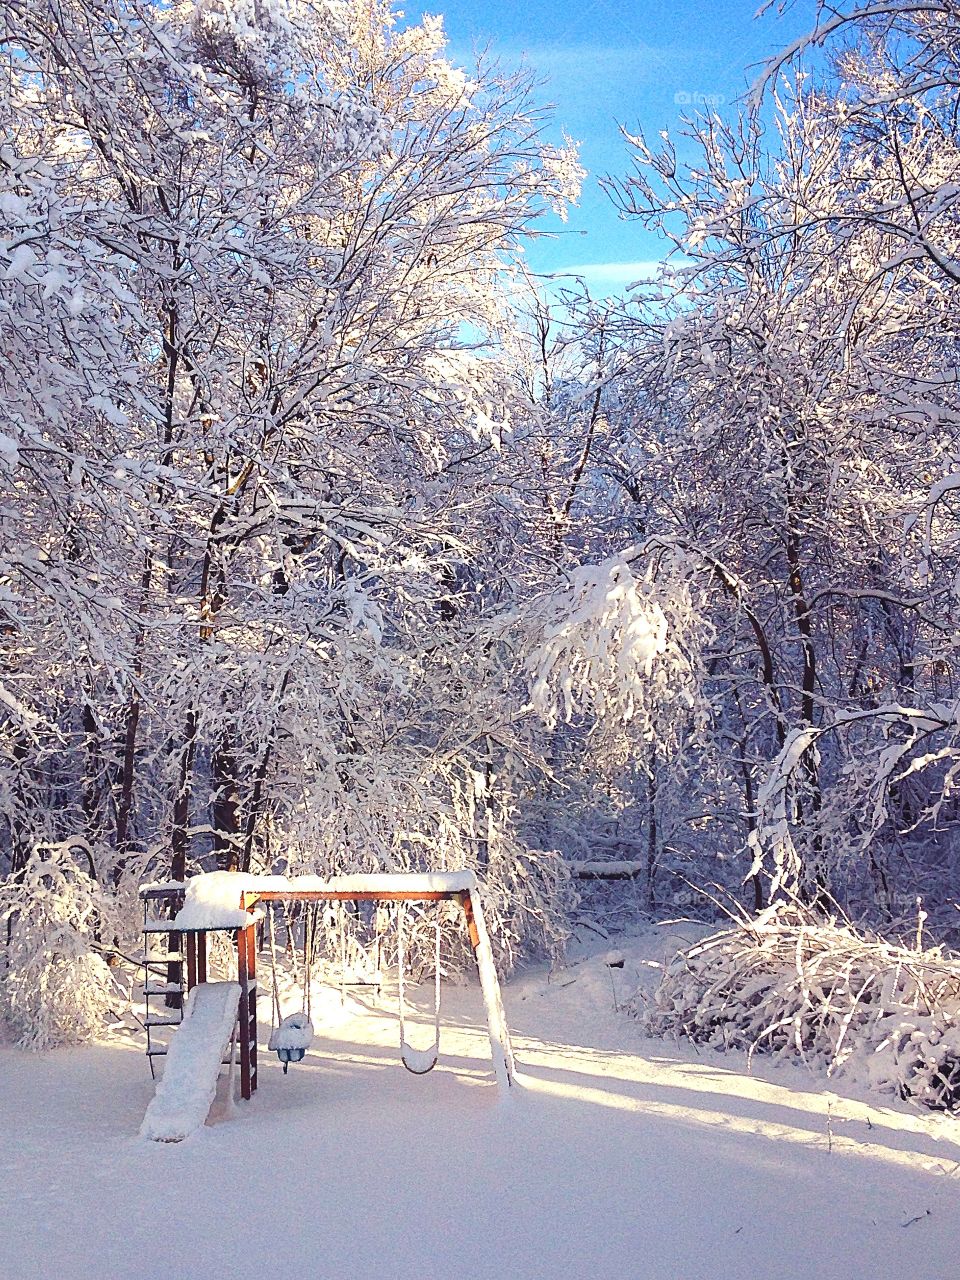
[(223, 899), (291, 1036)]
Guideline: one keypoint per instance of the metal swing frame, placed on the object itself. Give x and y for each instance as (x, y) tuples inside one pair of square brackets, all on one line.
[(472, 914)]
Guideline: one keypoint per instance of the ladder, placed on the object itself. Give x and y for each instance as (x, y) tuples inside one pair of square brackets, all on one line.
[(162, 962), (174, 963)]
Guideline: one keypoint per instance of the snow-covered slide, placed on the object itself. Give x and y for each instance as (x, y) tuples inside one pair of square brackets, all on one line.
[(189, 1082)]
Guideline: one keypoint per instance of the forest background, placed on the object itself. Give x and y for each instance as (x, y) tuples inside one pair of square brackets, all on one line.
[(331, 541)]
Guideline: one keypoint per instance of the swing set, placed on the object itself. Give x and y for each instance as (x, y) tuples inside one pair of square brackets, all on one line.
[(292, 1035), (211, 902)]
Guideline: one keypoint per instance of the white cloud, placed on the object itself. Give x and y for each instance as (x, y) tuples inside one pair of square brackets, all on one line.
[(616, 274)]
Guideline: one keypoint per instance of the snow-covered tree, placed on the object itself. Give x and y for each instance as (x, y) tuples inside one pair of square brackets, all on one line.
[(789, 407), (251, 431)]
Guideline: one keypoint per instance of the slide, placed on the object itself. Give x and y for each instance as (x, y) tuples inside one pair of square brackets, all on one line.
[(189, 1082)]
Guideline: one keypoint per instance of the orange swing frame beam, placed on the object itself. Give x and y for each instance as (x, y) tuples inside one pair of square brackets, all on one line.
[(500, 1047)]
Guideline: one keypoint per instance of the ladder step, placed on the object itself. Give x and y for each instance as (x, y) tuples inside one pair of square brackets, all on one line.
[(159, 926), (162, 988), (158, 1020), (159, 957), (172, 889)]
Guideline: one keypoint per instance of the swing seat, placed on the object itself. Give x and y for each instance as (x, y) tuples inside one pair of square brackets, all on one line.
[(419, 1061), (291, 1040)]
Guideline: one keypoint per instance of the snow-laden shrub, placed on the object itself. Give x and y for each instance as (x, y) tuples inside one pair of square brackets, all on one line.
[(788, 986), (55, 988)]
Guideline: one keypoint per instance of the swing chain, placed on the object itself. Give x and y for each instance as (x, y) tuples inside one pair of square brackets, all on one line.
[(417, 1062)]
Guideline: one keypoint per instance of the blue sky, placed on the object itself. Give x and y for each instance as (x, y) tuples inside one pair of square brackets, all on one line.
[(607, 63)]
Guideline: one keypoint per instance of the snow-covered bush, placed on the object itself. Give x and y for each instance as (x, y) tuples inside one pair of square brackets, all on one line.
[(785, 985), (54, 988), (528, 898)]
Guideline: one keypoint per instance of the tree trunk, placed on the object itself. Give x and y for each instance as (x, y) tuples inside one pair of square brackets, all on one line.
[(224, 806), (813, 887)]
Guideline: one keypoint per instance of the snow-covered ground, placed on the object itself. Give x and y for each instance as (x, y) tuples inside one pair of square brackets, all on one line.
[(620, 1157)]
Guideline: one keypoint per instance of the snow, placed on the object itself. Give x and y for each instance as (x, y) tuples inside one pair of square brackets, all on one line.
[(294, 1032), (213, 899), (162, 886), (193, 1061), (427, 882), (605, 635), (419, 1061), (500, 1046), (22, 260), (621, 1158)]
